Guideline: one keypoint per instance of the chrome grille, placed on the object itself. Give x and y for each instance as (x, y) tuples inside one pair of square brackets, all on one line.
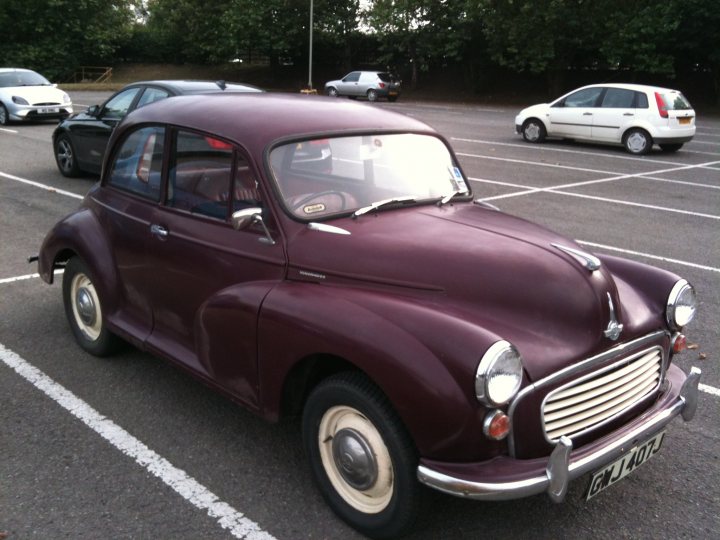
[(591, 401), (49, 103)]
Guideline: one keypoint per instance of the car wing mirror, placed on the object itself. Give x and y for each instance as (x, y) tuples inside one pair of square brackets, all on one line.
[(242, 219), (93, 110)]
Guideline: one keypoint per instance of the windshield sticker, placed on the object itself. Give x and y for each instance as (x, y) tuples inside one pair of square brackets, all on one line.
[(314, 208), (457, 180)]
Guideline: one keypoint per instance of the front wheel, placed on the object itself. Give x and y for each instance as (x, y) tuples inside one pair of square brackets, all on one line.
[(534, 131), (637, 141), (332, 92), (65, 156), (361, 456), (84, 310)]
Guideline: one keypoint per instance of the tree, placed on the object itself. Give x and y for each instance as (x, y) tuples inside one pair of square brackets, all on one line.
[(56, 36)]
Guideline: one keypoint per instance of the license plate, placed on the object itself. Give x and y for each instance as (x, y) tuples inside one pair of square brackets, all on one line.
[(392, 93), (618, 470), (48, 110), (684, 120)]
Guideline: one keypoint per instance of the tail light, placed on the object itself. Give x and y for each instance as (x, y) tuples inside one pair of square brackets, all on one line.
[(217, 144), (381, 85), (661, 105)]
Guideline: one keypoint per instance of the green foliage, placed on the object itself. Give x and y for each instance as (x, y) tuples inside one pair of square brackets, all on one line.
[(55, 36)]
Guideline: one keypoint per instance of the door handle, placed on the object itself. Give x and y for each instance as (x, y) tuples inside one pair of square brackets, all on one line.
[(587, 114), (158, 230), (628, 114)]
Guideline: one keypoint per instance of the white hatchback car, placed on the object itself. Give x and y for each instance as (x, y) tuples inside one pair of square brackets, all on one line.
[(26, 95), (633, 115)]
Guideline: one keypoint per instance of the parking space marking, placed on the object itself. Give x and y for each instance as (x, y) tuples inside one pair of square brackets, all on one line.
[(57, 272), (41, 186), (187, 487), (8, 130), (648, 255), (709, 389)]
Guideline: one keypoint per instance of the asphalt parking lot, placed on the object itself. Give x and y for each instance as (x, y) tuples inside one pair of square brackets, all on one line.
[(130, 447)]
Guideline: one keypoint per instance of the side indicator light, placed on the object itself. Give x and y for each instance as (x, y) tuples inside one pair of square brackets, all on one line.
[(496, 425), (679, 343)]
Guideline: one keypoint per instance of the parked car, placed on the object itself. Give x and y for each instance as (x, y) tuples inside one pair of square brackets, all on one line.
[(370, 84), (79, 142), (633, 115), (26, 95), (420, 334)]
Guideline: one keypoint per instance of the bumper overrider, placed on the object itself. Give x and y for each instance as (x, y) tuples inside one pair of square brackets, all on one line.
[(505, 478)]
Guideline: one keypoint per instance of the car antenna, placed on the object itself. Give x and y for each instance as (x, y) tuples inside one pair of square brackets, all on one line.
[(221, 84)]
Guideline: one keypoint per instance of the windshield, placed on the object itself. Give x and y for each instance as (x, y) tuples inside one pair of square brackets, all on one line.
[(321, 177), (22, 78)]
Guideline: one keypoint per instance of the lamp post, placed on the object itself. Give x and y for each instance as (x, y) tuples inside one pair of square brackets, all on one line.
[(311, 47)]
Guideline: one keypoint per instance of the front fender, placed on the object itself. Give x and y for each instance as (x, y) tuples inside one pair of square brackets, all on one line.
[(421, 356), (81, 234)]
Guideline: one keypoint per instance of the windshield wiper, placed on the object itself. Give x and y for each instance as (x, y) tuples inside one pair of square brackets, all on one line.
[(384, 202), (446, 198)]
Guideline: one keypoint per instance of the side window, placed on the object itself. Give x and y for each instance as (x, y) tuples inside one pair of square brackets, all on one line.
[(118, 106), (641, 100), (618, 98), (245, 193), (137, 166), (352, 77), (583, 98), (200, 174), (150, 95)]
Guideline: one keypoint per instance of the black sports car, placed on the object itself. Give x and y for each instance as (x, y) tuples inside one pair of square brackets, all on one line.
[(79, 141)]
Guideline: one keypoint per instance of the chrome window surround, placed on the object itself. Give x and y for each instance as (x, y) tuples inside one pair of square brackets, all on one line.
[(576, 368), (623, 361)]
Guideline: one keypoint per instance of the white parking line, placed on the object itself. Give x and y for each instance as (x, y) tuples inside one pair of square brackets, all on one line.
[(709, 389), (41, 186), (8, 130), (649, 256), (187, 487)]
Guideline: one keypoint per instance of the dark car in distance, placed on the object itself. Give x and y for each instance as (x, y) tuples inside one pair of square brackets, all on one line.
[(325, 258), (79, 141)]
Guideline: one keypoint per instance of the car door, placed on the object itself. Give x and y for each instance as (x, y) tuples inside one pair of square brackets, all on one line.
[(349, 84), (572, 116), (91, 136), (614, 115), (209, 280)]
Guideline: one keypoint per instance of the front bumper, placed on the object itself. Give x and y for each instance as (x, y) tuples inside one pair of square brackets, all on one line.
[(505, 478), (22, 113)]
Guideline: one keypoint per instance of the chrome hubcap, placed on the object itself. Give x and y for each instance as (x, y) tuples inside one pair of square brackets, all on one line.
[(636, 142), (85, 306), (532, 132), (354, 459)]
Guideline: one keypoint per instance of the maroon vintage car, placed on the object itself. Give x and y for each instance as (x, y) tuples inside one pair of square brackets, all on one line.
[(304, 255)]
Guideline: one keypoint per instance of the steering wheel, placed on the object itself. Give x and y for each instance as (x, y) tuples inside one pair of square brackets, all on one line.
[(302, 202)]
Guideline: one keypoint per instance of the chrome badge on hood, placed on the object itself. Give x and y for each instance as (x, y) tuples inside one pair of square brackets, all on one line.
[(591, 262)]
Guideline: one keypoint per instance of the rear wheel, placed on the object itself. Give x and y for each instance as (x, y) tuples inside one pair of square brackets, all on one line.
[(671, 147), (65, 156), (372, 95), (392, 99), (361, 456), (637, 141), (533, 131), (4, 118), (84, 310), (332, 92)]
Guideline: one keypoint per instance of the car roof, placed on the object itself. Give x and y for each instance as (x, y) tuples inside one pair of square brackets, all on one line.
[(5, 70), (187, 86), (637, 87), (256, 119)]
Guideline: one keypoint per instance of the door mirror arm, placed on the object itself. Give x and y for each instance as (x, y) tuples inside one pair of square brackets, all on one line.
[(242, 219)]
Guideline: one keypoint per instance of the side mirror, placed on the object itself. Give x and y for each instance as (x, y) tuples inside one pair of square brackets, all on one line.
[(93, 110), (244, 218)]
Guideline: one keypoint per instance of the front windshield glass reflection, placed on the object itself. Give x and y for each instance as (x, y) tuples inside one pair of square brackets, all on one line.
[(321, 177)]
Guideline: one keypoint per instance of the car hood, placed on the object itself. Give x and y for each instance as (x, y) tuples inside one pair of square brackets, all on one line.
[(540, 108), (491, 269), (36, 94)]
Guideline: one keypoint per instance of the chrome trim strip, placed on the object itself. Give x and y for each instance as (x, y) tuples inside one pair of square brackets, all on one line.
[(322, 227), (569, 371), (590, 262), (561, 467)]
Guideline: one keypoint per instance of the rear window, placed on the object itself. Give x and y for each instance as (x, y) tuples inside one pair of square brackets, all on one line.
[(675, 101), (385, 77)]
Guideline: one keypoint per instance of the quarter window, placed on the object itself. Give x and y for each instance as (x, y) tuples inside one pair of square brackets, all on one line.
[(137, 167)]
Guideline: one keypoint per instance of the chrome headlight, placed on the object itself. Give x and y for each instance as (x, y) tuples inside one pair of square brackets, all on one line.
[(681, 305), (19, 100), (499, 374)]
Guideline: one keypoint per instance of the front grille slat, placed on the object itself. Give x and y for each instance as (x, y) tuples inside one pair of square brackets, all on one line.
[(593, 400)]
